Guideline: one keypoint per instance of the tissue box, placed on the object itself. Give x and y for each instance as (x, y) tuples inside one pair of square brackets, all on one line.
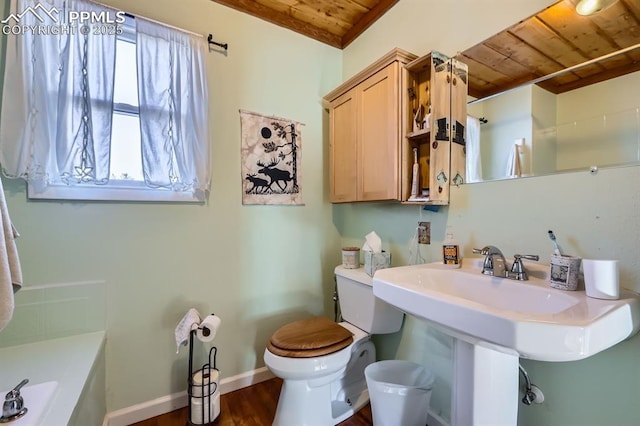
[(375, 261)]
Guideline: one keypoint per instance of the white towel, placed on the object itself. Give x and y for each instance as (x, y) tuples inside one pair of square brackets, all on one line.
[(474, 162), (514, 169), (10, 272), (189, 322)]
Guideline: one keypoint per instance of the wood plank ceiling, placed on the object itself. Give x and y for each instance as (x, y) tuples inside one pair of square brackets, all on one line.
[(334, 22), (552, 40)]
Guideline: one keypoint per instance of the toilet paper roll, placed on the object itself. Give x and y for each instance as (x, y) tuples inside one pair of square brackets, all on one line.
[(208, 328), (204, 382), (205, 410)]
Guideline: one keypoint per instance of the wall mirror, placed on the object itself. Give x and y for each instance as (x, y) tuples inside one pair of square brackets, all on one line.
[(556, 92)]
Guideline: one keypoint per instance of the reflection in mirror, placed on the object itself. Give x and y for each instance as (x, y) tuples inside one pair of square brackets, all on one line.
[(529, 131), (581, 107)]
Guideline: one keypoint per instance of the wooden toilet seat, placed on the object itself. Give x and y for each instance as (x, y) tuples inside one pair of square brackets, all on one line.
[(309, 338)]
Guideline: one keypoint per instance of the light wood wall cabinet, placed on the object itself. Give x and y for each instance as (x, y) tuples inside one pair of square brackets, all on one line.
[(380, 115), (366, 115)]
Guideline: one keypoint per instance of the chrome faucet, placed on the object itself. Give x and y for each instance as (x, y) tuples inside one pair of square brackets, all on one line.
[(13, 407), (495, 264)]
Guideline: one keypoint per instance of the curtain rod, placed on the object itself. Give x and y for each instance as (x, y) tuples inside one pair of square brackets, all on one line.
[(210, 40)]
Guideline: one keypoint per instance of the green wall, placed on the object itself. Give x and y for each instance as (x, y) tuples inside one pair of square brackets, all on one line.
[(594, 216), (256, 267)]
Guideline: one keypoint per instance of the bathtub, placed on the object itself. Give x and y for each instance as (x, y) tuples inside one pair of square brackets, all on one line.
[(57, 335), (76, 363)]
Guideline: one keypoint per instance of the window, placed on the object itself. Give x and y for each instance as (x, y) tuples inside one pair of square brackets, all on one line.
[(126, 158), (121, 116)]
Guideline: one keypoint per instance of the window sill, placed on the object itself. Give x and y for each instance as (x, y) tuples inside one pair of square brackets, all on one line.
[(113, 192)]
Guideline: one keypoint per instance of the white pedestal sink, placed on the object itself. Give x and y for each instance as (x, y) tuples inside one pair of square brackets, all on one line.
[(496, 321)]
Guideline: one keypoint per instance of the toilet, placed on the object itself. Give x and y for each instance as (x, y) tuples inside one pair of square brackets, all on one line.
[(322, 362)]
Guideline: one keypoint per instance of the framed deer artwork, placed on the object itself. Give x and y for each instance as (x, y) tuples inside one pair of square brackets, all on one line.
[(271, 158)]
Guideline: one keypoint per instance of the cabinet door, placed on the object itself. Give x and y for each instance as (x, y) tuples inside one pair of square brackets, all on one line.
[(379, 136), (343, 148), (458, 122), (440, 157)]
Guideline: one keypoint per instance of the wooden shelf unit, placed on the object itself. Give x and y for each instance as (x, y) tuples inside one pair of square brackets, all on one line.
[(435, 88), (372, 131)]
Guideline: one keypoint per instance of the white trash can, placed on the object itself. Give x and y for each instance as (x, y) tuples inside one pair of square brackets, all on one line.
[(399, 392)]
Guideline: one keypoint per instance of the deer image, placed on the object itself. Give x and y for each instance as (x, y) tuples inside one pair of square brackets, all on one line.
[(276, 175), (257, 184)]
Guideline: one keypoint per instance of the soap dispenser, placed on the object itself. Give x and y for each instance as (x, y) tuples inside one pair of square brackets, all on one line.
[(451, 257)]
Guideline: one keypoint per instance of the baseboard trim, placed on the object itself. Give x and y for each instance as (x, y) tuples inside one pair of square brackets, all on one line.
[(245, 380), (166, 404)]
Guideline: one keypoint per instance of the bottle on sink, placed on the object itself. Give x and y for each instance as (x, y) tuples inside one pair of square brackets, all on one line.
[(451, 257)]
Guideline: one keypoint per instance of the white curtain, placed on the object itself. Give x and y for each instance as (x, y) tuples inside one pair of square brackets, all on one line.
[(474, 161), (57, 101), (173, 108)]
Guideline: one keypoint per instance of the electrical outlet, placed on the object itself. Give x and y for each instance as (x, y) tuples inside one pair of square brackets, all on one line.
[(424, 232)]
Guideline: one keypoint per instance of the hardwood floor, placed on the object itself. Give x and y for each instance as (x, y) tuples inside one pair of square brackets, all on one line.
[(251, 406)]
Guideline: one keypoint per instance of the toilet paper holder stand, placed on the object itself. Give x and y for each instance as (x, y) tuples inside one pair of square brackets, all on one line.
[(207, 391)]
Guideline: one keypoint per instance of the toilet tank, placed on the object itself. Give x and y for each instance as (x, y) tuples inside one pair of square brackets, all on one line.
[(360, 307)]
